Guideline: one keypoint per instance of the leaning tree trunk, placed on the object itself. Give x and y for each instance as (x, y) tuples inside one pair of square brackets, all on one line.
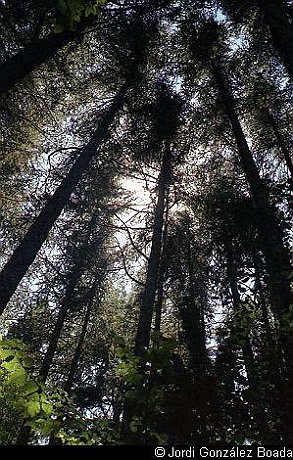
[(276, 16), (148, 299), (77, 353), (280, 141), (271, 242), (19, 66), (23, 256), (271, 236), (247, 352), (81, 262), (15, 69), (56, 333), (25, 431)]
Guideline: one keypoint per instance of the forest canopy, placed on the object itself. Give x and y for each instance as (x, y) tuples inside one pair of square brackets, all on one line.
[(145, 222)]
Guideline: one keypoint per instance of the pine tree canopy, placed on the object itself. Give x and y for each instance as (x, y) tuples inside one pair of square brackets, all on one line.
[(146, 223)]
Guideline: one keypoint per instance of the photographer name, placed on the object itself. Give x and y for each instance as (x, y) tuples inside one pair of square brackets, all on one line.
[(232, 452)]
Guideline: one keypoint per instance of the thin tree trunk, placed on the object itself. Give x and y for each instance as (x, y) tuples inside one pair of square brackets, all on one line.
[(246, 349), (194, 324), (160, 293), (277, 18), (56, 333), (201, 287), (272, 245), (77, 353), (69, 296), (25, 431), (246, 346), (73, 365), (259, 287), (248, 356), (23, 256), (271, 236), (159, 301), (143, 334), (80, 263), (281, 142), (148, 299)]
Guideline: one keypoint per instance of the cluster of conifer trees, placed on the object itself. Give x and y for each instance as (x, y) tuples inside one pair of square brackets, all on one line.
[(146, 178)]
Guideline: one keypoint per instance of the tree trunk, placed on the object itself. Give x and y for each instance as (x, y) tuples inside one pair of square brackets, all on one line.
[(247, 352), (24, 435), (78, 350), (143, 334), (271, 242), (77, 353), (29, 58), (25, 431), (148, 299), (277, 18), (160, 294), (55, 336), (23, 256), (271, 235), (159, 301), (193, 319), (281, 142), (262, 300)]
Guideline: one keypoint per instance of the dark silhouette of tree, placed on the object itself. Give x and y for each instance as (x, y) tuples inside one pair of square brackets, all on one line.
[(268, 224), (27, 250), (145, 222), (166, 123), (42, 42)]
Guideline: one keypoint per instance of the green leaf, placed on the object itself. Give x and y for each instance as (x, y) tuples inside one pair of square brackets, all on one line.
[(88, 11), (12, 365), (31, 387), (18, 377), (33, 408), (47, 408), (75, 9)]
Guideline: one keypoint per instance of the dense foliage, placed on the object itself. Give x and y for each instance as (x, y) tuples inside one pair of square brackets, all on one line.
[(146, 177)]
